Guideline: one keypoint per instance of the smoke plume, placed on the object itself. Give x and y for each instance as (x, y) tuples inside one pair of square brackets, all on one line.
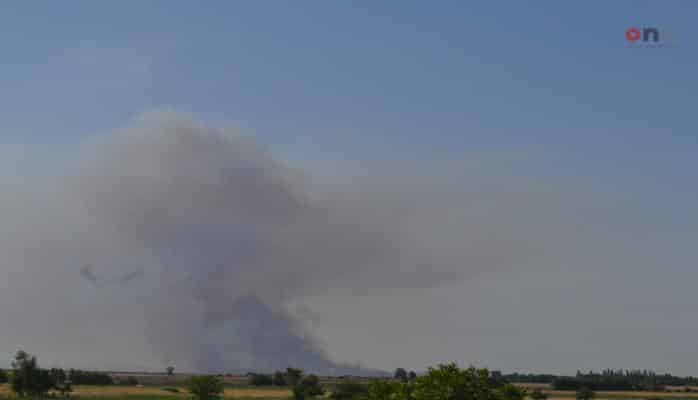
[(187, 243)]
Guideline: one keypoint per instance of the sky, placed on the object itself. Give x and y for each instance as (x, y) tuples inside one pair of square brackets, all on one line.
[(534, 148)]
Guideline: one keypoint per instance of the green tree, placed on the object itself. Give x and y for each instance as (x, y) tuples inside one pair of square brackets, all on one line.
[(279, 379), (260, 379), (401, 374), (42, 383), (3, 376), (65, 388), (511, 392), (448, 382), (24, 374), (538, 394), (205, 387), (311, 383), (497, 380), (307, 387), (349, 391), (293, 376), (585, 394), (28, 379), (412, 376), (170, 371), (380, 389)]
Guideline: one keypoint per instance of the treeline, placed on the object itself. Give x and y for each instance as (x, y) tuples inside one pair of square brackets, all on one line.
[(27, 379), (79, 377), (302, 386), (529, 378), (443, 382), (606, 380), (621, 380), (290, 377)]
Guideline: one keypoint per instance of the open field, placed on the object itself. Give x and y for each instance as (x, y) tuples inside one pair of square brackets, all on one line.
[(152, 392), (566, 395), (179, 379), (671, 392)]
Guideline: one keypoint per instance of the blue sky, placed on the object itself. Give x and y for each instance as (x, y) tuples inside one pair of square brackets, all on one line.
[(318, 76), (552, 85)]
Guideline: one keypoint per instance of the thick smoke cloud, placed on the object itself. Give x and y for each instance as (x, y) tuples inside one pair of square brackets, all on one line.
[(185, 243)]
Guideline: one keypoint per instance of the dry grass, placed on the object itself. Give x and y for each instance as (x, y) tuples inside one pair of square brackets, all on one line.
[(256, 393), (567, 394), (116, 391), (128, 391), (672, 392), (531, 386)]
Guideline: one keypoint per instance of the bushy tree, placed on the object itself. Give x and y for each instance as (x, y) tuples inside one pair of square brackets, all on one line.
[(131, 381), (381, 389), (61, 382), (80, 377), (42, 384), (307, 387), (293, 376), (497, 380), (585, 394), (445, 382), (349, 391), (205, 387), (311, 383), (3, 376), (538, 394), (511, 392), (260, 379), (25, 371), (279, 379), (401, 374), (64, 387), (448, 382)]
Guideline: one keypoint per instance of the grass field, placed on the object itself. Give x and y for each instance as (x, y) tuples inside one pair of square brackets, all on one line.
[(674, 393), (563, 394), (114, 392), (151, 392)]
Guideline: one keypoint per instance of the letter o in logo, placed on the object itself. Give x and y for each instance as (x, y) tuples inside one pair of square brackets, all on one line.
[(632, 35)]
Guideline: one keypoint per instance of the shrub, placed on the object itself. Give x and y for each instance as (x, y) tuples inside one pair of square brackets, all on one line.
[(79, 377), (537, 394), (308, 387), (205, 387), (449, 382), (511, 392), (260, 380), (381, 389), (349, 391), (279, 379), (401, 374), (585, 394)]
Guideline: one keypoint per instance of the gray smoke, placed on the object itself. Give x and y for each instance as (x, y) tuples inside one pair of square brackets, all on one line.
[(193, 241)]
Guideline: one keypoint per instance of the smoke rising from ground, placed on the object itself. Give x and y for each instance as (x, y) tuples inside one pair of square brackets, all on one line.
[(186, 243)]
